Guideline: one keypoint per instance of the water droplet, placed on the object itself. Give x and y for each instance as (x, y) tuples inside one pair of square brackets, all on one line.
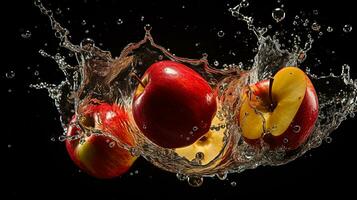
[(216, 63), (120, 21), (200, 155), (188, 138), (233, 184), (136, 172), (329, 29), (53, 139), (315, 12), (278, 14), (220, 33), (62, 138), (9, 146), (36, 73), (195, 181), (245, 3), (84, 22), (181, 177), (87, 42), (142, 18), (134, 152), (328, 140), (347, 28), (285, 140), (26, 34), (195, 128), (222, 176), (9, 90), (315, 26), (10, 74), (111, 144), (147, 27), (296, 129)]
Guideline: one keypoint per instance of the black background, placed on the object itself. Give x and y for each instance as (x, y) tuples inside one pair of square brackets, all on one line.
[(36, 167)]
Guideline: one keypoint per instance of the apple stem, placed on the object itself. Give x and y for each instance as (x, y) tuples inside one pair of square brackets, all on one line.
[(272, 104), (132, 74)]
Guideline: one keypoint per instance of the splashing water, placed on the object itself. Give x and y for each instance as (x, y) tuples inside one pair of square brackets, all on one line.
[(101, 76)]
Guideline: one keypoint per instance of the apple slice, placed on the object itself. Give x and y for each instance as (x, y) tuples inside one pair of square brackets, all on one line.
[(210, 144)]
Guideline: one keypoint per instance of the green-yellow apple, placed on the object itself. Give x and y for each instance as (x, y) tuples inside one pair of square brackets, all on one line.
[(208, 146), (283, 110), (99, 155), (173, 105)]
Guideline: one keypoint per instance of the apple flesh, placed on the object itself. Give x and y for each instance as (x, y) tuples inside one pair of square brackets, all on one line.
[(208, 146), (99, 155), (173, 105), (282, 110)]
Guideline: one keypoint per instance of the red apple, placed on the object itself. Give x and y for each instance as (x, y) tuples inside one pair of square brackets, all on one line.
[(173, 105), (282, 110), (99, 155), (209, 145)]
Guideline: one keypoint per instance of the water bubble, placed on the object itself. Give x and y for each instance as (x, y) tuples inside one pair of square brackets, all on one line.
[(9, 146), (62, 138), (315, 12), (195, 128), (222, 176), (9, 90), (147, 27), (120, 21), (181, 177), (53, 139), (136, 172), (278, 14), (296, 129), (87, 42), (347, 28), (329, 29), (142, 18), (84, 22), (26, 34), (315, 26), (111, 144), (200, 155), (36, 73), (86, 31), (285, 140), (328, 140), (216, 63), (195, 181), (233, 184), (245, 3), (220, 33), (10, 74)]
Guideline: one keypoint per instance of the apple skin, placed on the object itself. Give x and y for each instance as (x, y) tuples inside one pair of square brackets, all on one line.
[(176, 105), (94, 155), (300, 127), (304, 122), (210, 144)]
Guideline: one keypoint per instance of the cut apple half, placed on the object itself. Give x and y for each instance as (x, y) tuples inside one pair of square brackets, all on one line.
[(208, 146), (270, 106)]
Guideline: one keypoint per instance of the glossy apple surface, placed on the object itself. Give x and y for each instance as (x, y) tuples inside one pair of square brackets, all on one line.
[(99, 155), (173, 105), (283, 110)]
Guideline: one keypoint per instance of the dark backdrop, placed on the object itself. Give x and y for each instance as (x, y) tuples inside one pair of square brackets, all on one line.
[(36, 167)]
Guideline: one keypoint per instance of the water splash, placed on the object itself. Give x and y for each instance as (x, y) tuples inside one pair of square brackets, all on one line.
[(99, 75)]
